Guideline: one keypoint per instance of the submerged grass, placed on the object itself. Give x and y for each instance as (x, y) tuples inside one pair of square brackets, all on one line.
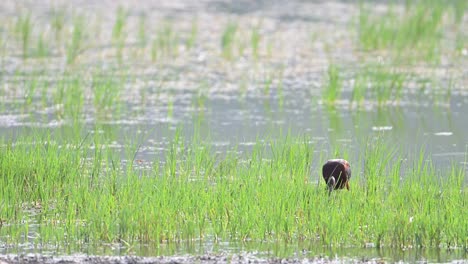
[(83, 193)]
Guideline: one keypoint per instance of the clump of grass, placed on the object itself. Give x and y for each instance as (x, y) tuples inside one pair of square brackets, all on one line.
[(118, 34), (227, 40), (459, 9), (165, 44), (30, 91), (24, 29), (75, 45), (142, 38), (386, 86), (380, 83), (58, 22), (255, 38), (359, 89), (193, 35), (83, 191), (415, 32), (74, 99), (69, 98), (332, 89), (41, 50), (106, 91)]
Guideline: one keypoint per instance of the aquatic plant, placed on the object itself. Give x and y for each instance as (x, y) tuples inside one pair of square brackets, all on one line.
[(415, 32), (106, 91), (165, 43), (332, 89), (190, 42), (255, 38), (76, 42), (41, 49), (359, 89), (118, 34), (142, 38), (82, 190), (24, 29), (227, 40), (57, 23)]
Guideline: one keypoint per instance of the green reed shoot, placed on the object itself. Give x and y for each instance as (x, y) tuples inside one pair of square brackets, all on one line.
[(106, 91), (332, 89), (41, 50), (228, 40), (255, 38), (193, 35), (119, 25), (142, 38), (359, 89), (118, 32), (165, 43), (74, 99), (267, 194), (75, 45), (382, 84), (58, 22), (24, 30), (415, 32)]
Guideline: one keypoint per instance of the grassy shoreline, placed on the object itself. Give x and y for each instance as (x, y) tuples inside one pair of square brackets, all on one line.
[(84, 194)]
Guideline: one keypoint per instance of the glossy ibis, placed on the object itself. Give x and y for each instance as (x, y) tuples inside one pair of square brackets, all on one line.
[(336, 173)]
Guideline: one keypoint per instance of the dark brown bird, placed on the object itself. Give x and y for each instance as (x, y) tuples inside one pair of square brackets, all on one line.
[(336, 173)]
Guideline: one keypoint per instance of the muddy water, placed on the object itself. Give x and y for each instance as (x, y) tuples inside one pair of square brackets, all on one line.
[(232, 102)]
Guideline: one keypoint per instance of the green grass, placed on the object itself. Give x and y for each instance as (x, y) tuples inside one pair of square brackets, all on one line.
[(24, 29), (106, 90), (379, 84), (81, 193), (41, 48), (118, 32), (165, 43), (142, 38), (192, 38), (75, 45), (255, 39), (228, 40), (58, 23), (412, 34), (333, 87)]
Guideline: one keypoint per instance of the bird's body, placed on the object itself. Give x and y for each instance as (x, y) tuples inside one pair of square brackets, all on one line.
[(336, 173)]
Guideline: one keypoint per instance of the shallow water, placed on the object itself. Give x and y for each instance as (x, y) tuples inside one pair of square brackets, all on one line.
[(231, 103)]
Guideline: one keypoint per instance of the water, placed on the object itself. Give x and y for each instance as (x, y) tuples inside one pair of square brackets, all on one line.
[(231, 103)]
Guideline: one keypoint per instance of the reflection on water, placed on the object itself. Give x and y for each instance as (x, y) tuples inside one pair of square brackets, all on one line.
[(239, 120), (264, 250)]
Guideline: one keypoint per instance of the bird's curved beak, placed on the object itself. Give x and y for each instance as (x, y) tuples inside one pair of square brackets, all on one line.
[(331, 184)]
